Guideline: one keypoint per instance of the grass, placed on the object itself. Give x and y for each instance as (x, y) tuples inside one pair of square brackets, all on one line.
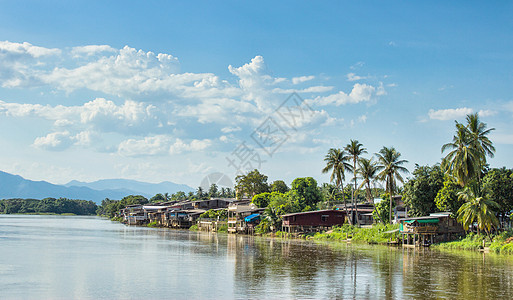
[(501, 243), (470, 242), (377, 234)]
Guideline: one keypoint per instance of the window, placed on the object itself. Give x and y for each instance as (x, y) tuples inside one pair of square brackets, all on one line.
[(324, 218)]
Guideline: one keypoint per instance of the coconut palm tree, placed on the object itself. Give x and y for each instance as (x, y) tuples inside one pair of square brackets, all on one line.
[(390, 168), (477, 208), (337, 162), (368, 171), (464, 162), (478, 138), (355, 149)]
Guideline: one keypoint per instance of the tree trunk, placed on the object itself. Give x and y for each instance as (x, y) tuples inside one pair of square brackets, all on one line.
[(354, 193), (390, 195), (345, 206)]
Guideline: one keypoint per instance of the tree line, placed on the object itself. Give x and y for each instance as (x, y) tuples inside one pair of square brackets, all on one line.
[(48, 205)]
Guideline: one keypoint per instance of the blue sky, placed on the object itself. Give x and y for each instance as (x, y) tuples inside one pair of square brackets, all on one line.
[(161, 90)]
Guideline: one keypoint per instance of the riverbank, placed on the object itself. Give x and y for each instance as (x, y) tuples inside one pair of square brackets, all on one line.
[(501, 243)]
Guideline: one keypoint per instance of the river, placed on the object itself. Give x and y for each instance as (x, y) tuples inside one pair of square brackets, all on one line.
[(63, 257)]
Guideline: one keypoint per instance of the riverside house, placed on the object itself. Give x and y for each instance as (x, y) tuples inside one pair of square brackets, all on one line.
[(311, 221), (437, 227), (237, 213)]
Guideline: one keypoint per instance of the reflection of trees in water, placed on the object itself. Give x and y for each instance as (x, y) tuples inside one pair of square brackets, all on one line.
[(305, 269), (431, 274)]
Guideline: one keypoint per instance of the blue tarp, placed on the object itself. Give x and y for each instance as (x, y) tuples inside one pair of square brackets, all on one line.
[(252, 218)]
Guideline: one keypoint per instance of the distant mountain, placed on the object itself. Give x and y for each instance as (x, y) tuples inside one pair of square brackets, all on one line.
[(133, 187), (14, 186)]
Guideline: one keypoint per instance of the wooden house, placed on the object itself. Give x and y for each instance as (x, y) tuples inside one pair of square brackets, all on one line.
[(237, 212), (437, 227), (313, 220)]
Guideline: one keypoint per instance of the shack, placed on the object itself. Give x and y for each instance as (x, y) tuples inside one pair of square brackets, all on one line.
[(423, 231), (311, 221)]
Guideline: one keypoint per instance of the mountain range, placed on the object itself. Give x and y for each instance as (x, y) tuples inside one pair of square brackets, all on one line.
[(15, 186)]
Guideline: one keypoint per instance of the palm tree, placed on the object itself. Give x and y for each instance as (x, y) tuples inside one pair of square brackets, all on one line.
[(477, 208), (478, 138), (355, 149), (464, 162), (368, 171), (336, 162), (272, 217), (390, 167)]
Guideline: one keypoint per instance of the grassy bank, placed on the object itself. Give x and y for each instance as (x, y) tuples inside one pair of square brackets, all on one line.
[(500, 243)]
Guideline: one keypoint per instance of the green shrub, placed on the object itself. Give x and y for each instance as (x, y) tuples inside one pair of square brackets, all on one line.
[(152, 224), (470, 242), (194, 227), (222, 228), (377, 234)]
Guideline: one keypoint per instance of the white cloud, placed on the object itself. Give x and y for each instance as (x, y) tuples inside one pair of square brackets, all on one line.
[(58, 141), (195, 145), (155, 145), (449, 114), (91, 50), (354, 77), (230, 129), (359, 93), (487, 113), (301, 79), (25, 48)]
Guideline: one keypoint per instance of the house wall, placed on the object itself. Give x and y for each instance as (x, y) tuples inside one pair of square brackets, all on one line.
[(316, 219)]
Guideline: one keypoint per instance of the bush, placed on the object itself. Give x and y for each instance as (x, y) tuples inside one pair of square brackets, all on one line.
[(470, 242), (152, 224), (377, 234), (194, 227)]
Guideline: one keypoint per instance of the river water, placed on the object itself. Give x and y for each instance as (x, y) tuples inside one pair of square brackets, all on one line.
[(57, 257)]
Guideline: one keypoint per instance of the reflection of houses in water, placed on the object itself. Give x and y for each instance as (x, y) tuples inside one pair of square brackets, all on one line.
[(434, 228)]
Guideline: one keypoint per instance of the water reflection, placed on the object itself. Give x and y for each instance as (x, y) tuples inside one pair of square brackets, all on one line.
[(91, 258)]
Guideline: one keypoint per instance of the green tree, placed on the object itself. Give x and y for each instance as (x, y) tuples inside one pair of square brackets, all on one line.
[(157, 198), (337, 163), (200, 193), (355, 149), (261, 200), (382, 209), (305, 192), (479, 139), (468, 150), (368, 172), (251, 184), (478, 208), (420, 191), (213, 192), (390, 167), (447, 197), (279, 186), (498, 184)]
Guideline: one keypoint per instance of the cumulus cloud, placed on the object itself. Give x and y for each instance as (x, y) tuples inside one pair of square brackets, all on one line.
[(449, 114), (195, 145), (100, 114), (90, 50), (300, 79), (8, 48), (58, 141), (359, 93), (487, 113), (354, 77)]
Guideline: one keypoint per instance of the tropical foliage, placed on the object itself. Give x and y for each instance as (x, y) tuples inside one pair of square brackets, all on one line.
[(390, 166), (47, 206), (477, 208)]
